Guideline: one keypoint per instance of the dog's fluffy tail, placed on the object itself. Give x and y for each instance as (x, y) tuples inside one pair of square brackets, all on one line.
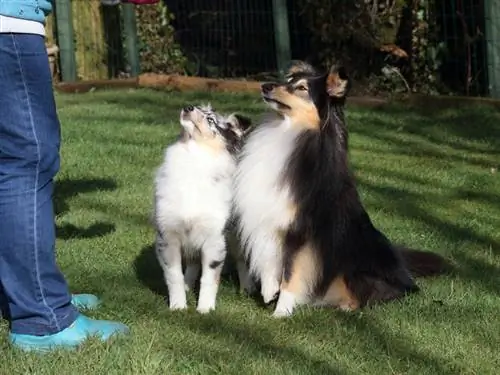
[(424, 263)]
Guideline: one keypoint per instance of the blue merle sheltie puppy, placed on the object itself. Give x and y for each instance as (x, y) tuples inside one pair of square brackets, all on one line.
[(193, 204), (307, 237)]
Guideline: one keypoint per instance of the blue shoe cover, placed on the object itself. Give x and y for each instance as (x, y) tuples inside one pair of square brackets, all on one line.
[(85, 301), (69, 338)]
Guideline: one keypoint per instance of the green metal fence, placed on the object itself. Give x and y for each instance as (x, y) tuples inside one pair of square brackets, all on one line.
[(255, 39), (226, 38)]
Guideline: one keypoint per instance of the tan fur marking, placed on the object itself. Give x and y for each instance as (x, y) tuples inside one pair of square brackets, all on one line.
[(336, 86), (340, 296), (292, 213), (292, 210), (202, 134), (304, 274), (302, 112), (215, 144)]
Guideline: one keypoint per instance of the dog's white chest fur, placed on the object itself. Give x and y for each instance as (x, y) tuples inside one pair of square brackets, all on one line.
[(262, 202), (193, 191)]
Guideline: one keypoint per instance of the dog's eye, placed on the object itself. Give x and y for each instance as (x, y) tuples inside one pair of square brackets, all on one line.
[(301, 88)]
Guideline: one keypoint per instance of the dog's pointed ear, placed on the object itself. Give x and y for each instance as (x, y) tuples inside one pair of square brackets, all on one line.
[(299, 66), (239, 122), (337, 82)]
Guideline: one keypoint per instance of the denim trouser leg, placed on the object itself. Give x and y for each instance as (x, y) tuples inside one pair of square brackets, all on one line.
[(39, 302)]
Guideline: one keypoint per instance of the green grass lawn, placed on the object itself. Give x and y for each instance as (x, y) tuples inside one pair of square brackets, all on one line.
[(427, 178)]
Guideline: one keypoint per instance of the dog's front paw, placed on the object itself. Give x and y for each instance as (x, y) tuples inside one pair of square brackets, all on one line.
[(178, 306), (205, 309), (177, 301), (281, 313), (285, 305)]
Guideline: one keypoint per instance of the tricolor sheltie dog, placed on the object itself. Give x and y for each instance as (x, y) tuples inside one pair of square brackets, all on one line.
[(192, 205), (306, 234)]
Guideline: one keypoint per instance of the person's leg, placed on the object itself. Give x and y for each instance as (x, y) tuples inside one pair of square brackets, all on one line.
[(39, 302), (38, 296)]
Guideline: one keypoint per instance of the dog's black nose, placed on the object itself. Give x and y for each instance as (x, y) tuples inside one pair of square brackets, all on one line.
[(268, 87), (189, 108)]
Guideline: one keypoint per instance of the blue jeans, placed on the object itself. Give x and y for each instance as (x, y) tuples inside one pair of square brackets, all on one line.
[(35, 294)]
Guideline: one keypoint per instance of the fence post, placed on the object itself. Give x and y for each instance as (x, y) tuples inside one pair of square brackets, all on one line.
[(281, 34), (492, 35), (65, 40), (130, 28)]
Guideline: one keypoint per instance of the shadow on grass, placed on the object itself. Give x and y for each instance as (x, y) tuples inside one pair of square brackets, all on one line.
[(309, 343), (406, 205), (464, 139), (366, 339), (255, 342), (98, 229), (455, 128), (65, 190), (149, 273)]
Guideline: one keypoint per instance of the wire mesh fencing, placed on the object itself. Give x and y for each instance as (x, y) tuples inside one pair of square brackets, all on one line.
[(424, 46), (462, 34)]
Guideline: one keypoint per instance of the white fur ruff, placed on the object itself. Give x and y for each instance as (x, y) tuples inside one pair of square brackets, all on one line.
[(262, 203), (193, 196)]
